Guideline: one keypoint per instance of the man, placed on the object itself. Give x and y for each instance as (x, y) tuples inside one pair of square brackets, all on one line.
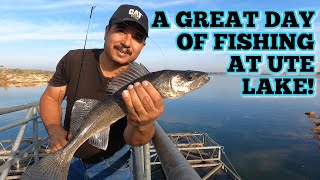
[(89, 78)]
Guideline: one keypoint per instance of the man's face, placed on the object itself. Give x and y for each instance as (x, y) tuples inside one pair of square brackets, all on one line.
[(123, 44)]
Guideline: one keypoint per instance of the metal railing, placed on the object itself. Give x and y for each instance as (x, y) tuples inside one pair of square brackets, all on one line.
[(32, 115), (141, 163), (174, 164)]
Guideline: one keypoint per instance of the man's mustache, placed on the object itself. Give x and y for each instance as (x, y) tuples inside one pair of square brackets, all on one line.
[(121, 48)]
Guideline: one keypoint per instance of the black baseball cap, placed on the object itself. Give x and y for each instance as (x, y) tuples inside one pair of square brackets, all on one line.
[(130, 13)]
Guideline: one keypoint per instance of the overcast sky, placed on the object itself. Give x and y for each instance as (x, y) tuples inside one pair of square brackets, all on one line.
[(37, 33)]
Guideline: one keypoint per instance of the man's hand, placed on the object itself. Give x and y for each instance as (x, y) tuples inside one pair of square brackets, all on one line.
[(51, 114), (144, 103), (59, 138)]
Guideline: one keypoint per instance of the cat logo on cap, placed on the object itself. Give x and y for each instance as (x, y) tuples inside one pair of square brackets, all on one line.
[(135, 14)]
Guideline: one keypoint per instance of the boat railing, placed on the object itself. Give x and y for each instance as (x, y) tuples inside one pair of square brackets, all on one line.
[(12, 155), (200, 151), (12, 158)]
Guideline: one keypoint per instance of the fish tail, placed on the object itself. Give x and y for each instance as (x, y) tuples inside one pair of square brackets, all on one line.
[(52, 167)]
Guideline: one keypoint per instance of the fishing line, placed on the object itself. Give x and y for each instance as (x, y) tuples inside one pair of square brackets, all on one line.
[(148, 37), (157, 46)]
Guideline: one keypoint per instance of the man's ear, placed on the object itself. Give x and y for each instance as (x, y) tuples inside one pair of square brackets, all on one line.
[(106, 31), (107, 28)]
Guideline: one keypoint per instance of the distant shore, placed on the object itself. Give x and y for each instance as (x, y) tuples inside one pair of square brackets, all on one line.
[(23, 77), (31, 77)]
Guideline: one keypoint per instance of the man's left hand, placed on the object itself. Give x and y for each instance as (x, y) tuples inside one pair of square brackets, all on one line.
[(144, 103)]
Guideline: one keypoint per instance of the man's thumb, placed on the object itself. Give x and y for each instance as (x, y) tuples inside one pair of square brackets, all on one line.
[(69, 136)]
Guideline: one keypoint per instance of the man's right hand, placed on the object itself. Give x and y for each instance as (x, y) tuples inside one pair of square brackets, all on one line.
[(51, 115), (59, 139)]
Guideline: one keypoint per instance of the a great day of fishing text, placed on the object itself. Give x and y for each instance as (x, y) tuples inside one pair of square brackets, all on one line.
[(254, 38)]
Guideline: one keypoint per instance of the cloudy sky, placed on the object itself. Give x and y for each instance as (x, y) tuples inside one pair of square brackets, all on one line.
[(37, 33)]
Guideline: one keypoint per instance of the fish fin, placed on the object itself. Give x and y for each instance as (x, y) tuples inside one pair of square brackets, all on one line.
[(134, 71), (80, 110), (100, 139), (52, 167)]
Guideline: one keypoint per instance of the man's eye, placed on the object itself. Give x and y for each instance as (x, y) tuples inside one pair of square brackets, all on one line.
[(138, 38), (120, 30)]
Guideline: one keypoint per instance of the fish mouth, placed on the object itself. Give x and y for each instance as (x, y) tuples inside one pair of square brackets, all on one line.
[(202, 79), (206, 77)]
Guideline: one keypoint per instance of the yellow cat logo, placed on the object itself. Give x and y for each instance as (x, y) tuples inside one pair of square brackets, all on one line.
[(135, 14)]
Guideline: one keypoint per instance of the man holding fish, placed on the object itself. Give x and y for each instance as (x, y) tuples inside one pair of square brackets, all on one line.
[(112, 103), (89, 74)]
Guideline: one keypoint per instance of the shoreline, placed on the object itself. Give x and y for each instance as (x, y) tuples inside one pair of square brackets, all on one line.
[(32, 77), (23, 77)]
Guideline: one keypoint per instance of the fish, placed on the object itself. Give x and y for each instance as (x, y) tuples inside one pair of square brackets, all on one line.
[(171, 84)]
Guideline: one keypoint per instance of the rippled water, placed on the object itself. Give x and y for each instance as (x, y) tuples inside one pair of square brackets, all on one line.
[(265, 138)]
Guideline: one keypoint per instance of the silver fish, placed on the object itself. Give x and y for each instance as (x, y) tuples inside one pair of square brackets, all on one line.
[(83, 106), (170, 84)]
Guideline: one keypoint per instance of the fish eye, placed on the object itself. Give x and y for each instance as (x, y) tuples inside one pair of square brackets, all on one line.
[(190, 77)]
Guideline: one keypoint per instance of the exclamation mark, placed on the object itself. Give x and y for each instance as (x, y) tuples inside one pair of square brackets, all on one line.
[(311, 85)]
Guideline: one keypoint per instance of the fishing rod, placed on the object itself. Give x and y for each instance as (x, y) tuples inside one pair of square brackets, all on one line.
[(82, 60), (82, 57)]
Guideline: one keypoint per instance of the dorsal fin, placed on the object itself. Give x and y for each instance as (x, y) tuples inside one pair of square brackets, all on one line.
[(133, 72)]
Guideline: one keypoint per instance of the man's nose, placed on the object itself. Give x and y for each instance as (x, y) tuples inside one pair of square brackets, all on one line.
[(126, 40)]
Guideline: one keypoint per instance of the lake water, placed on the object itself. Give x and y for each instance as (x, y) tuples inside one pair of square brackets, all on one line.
[(265, 138)]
